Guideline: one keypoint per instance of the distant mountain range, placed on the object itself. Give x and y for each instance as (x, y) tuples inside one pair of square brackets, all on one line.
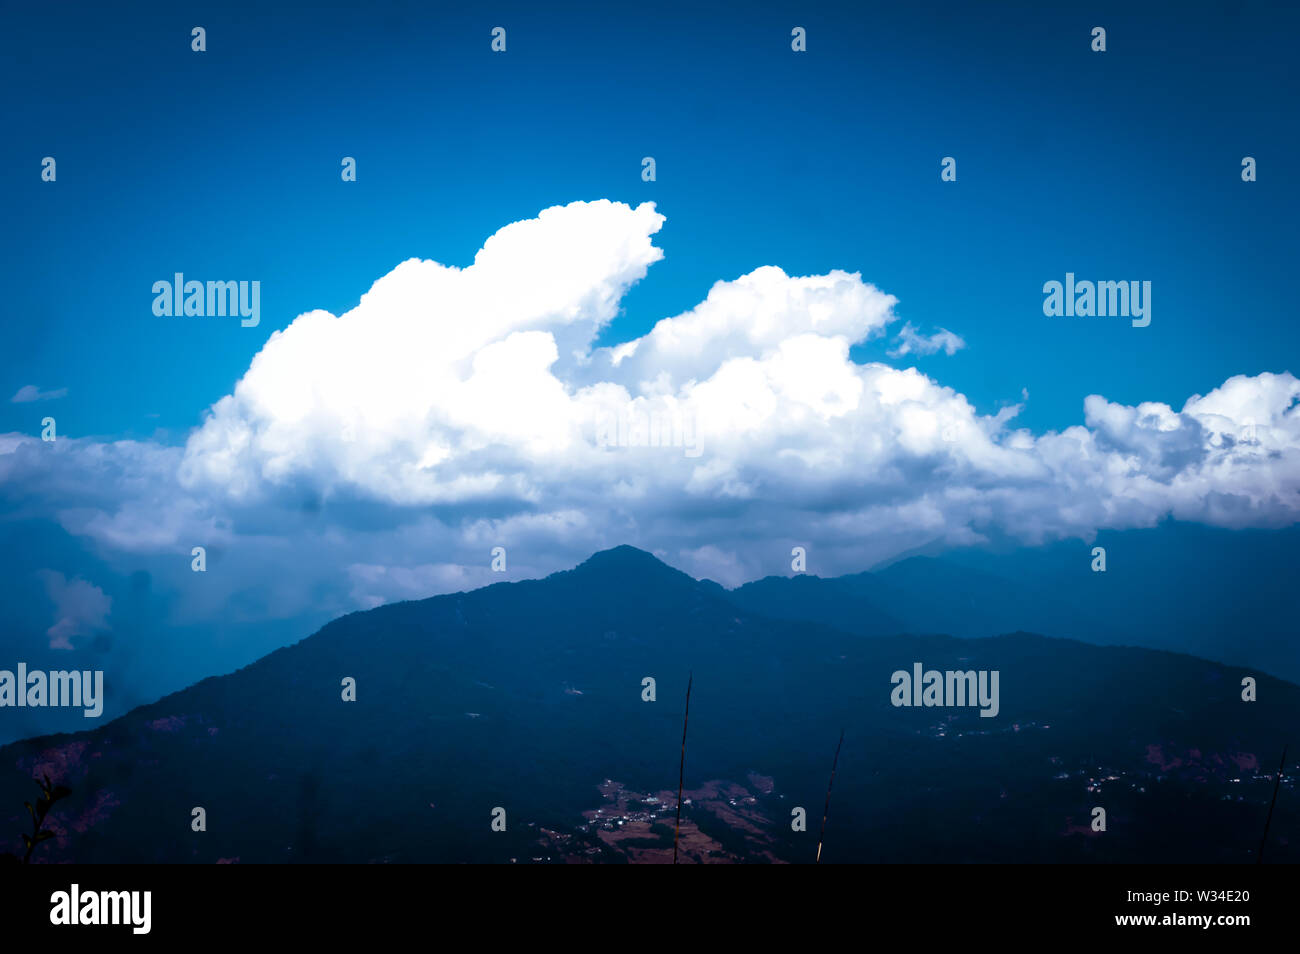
[(528, 697), (1224, 595)]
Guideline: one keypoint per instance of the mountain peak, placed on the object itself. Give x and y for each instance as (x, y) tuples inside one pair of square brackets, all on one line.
[(628, 566), (624, 557), (621, 574)]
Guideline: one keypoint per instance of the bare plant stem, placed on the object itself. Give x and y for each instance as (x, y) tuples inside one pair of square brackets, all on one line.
[(681, 771)]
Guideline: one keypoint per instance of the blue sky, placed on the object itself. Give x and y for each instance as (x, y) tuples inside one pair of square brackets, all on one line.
[(224, 165)]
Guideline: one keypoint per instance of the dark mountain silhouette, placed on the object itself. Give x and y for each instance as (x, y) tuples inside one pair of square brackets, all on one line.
[(528, 697), (928, 595), (850, 603), (1220, 594)]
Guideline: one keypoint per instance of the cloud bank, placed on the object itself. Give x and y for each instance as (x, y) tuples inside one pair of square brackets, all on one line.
[(382, 453)]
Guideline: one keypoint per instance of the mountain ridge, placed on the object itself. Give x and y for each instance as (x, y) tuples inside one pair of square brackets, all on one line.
[(623, 558), (530, 696)]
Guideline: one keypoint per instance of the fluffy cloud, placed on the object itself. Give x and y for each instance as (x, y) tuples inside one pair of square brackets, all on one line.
[(911, 342), (415, 394), (80, 608), (382, 453)]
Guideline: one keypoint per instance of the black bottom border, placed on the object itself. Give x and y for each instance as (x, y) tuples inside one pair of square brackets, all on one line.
[(304, 902)]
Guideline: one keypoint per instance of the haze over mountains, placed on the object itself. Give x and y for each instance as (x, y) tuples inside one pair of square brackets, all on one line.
[(529, 697), (1223, 595)]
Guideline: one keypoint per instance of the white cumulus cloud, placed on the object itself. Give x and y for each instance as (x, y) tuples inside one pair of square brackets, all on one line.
[(384, 452)]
